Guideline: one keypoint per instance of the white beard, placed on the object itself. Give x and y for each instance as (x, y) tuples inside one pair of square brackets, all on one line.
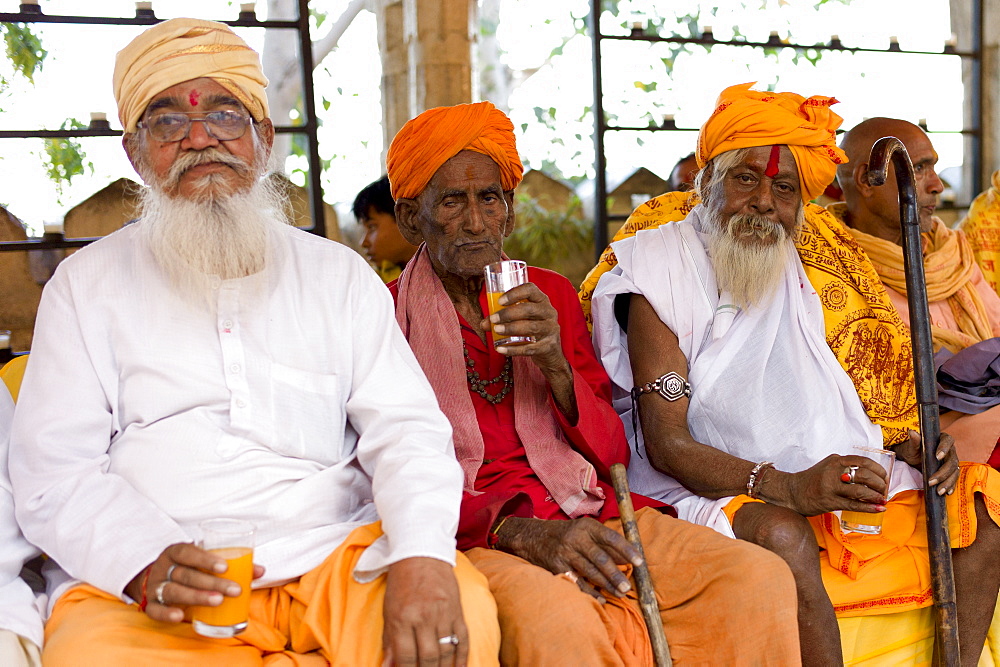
[(221, 237), (749, 255)]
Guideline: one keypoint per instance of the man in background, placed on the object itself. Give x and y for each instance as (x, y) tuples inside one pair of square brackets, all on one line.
[(384, 246), (964, 308)]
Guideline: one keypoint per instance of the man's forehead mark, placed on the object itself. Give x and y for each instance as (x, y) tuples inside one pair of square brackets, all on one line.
[(193, 97), (772, 162)]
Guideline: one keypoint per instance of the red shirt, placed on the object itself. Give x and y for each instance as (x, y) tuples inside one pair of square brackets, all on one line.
[(508, 484)]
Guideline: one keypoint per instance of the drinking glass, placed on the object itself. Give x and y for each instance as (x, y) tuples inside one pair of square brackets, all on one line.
[(500, 278), (233, 540), (869, 522)]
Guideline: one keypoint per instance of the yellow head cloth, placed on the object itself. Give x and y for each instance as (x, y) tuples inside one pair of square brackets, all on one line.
[(179, 50), (745, 118), (426, 142)]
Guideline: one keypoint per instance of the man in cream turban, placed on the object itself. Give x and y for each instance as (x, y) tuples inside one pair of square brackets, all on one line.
[(211, 361), (765, 310), (536, 435)]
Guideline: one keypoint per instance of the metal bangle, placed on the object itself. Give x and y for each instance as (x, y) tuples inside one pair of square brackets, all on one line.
[(755, 475), (670, 386)]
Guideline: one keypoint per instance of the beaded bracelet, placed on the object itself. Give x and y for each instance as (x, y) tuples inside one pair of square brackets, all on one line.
[(756, 474), (145, 580)]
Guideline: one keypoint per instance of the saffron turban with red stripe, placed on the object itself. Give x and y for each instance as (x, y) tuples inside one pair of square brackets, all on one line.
[(745, 118), (180, 50), (426, 142)]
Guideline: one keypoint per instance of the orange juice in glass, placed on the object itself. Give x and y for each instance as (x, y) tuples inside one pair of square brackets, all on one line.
[(502, 277), (233, 540), (869, 523)]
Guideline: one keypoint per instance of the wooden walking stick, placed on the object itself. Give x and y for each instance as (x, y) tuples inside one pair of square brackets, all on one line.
[(643, 582), (946, 647)]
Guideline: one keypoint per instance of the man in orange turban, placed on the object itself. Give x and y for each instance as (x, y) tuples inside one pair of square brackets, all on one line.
[(797, 373), (745, 118), (223, 364), (536, 435)]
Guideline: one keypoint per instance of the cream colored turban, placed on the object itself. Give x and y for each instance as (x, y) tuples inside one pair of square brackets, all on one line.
[(179, 50)]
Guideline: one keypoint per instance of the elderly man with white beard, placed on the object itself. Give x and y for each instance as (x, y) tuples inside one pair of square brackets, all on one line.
[(211, 361), (751, 340)]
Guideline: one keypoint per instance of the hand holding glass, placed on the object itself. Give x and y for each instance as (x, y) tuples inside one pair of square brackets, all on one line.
[(869, 522), (502, 277), (233, 540)]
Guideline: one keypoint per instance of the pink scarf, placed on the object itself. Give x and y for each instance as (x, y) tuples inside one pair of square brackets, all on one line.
[(430, 323)]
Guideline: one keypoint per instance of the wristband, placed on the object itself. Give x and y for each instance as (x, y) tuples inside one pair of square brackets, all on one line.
[(145, 580), (493, 537)]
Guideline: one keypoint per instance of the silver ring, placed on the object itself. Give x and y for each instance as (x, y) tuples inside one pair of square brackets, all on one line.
[(170, 572), (159, 593), (851, 471), (450, 639)]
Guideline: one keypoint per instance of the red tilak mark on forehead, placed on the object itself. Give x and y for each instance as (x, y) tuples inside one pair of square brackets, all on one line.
[(193, 97), (772, 163)]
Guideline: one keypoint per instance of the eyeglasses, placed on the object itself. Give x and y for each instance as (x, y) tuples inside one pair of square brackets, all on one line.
[(176, 125)]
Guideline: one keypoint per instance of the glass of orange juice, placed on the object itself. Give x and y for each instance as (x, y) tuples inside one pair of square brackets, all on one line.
[(869, 522), (233, 540), (500, 278)]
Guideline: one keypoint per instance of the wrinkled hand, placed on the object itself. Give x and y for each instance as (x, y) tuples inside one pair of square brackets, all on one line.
[(819, 489), (530, 314), (422, 606), (946, 476), (189, 584), (588, 550)]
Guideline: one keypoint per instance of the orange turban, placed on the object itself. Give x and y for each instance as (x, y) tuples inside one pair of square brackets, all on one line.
[(426, 142), (179, 50), (745, 118)]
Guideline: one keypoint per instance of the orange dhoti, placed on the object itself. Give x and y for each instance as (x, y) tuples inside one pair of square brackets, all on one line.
[(325, 617), (722, 601), (866, 575)]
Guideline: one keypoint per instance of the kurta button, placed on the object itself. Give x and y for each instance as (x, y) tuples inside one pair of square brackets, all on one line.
[(235, 368), (240, 403), (228, 324)]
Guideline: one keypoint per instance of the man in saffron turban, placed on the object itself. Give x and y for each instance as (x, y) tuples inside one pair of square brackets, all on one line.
[(965, 311), (766, 309), (536, 435), (211, 361)]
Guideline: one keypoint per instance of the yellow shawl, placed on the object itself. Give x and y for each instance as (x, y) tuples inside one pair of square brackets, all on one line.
[(862, 327), (982, 228), (948, 265)]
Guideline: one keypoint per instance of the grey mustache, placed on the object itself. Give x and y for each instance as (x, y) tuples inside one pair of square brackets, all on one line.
[(191, 159)]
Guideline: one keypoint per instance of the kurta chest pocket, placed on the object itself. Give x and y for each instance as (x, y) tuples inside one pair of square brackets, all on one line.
[(308, 413)]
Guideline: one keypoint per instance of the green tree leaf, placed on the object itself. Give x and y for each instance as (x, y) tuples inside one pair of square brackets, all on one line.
[(65, 158), (24, 49)]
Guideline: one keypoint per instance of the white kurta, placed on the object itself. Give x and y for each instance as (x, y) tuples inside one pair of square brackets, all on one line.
[(765, 384), (18, 611), (293, 402)]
